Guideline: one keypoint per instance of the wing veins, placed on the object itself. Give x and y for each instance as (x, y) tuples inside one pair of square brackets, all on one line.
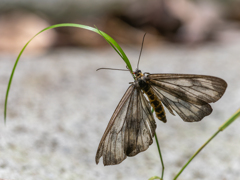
[(147, 116), (170, 91), (141, 118), (183, 106), (156, 92), (130, 96), (182, 111), (101, 149), (191, 110), (188, 86), (195, 90)]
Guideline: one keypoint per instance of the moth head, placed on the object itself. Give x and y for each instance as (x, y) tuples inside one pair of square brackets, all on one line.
[(138, 73)]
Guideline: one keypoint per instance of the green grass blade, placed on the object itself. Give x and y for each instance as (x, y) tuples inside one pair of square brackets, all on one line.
[(230, 120), (195, 154), (110, 40), (154, 177), (225, 125), (110, 43)]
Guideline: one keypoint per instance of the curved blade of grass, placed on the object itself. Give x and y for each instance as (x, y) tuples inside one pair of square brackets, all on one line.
[(226, 124), (110, 40), (113, 48)]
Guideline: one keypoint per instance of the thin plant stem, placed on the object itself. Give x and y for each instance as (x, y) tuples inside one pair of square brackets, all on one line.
[(221, 128), (196, 153), (159, 151), (160, 155)]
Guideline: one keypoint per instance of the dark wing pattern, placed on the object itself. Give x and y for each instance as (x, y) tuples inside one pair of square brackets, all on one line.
[(130, 129), (187, 94)]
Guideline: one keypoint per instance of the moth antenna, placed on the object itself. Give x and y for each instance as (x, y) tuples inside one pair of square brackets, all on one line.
[(112, 69), (141, 51)]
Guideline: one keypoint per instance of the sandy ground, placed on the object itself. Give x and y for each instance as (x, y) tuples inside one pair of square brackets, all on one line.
[(59, 107)]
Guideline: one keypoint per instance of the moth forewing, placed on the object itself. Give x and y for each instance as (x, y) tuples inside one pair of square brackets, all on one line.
[(196, 89), (130, 129), (119, 116), (140, 126)]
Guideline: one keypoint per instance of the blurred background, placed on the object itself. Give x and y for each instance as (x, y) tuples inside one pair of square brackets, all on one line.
[(182, 22), (59, 106)]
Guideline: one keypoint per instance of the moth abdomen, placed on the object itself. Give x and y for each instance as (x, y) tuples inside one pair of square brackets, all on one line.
[(157, 105), (155, 102)]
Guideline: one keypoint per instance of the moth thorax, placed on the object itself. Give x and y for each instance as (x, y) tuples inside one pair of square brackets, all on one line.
[(142, 83)]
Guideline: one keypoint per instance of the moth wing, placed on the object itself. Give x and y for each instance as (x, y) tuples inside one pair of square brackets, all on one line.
[(187, 111), (188, 95), (130, 129), (196, 89), (140, 125)]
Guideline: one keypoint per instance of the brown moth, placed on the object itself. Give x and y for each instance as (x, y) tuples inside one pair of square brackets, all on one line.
[(132, 125)]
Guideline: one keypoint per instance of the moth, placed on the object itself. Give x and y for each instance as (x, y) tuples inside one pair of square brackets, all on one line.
[(132, 125)]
